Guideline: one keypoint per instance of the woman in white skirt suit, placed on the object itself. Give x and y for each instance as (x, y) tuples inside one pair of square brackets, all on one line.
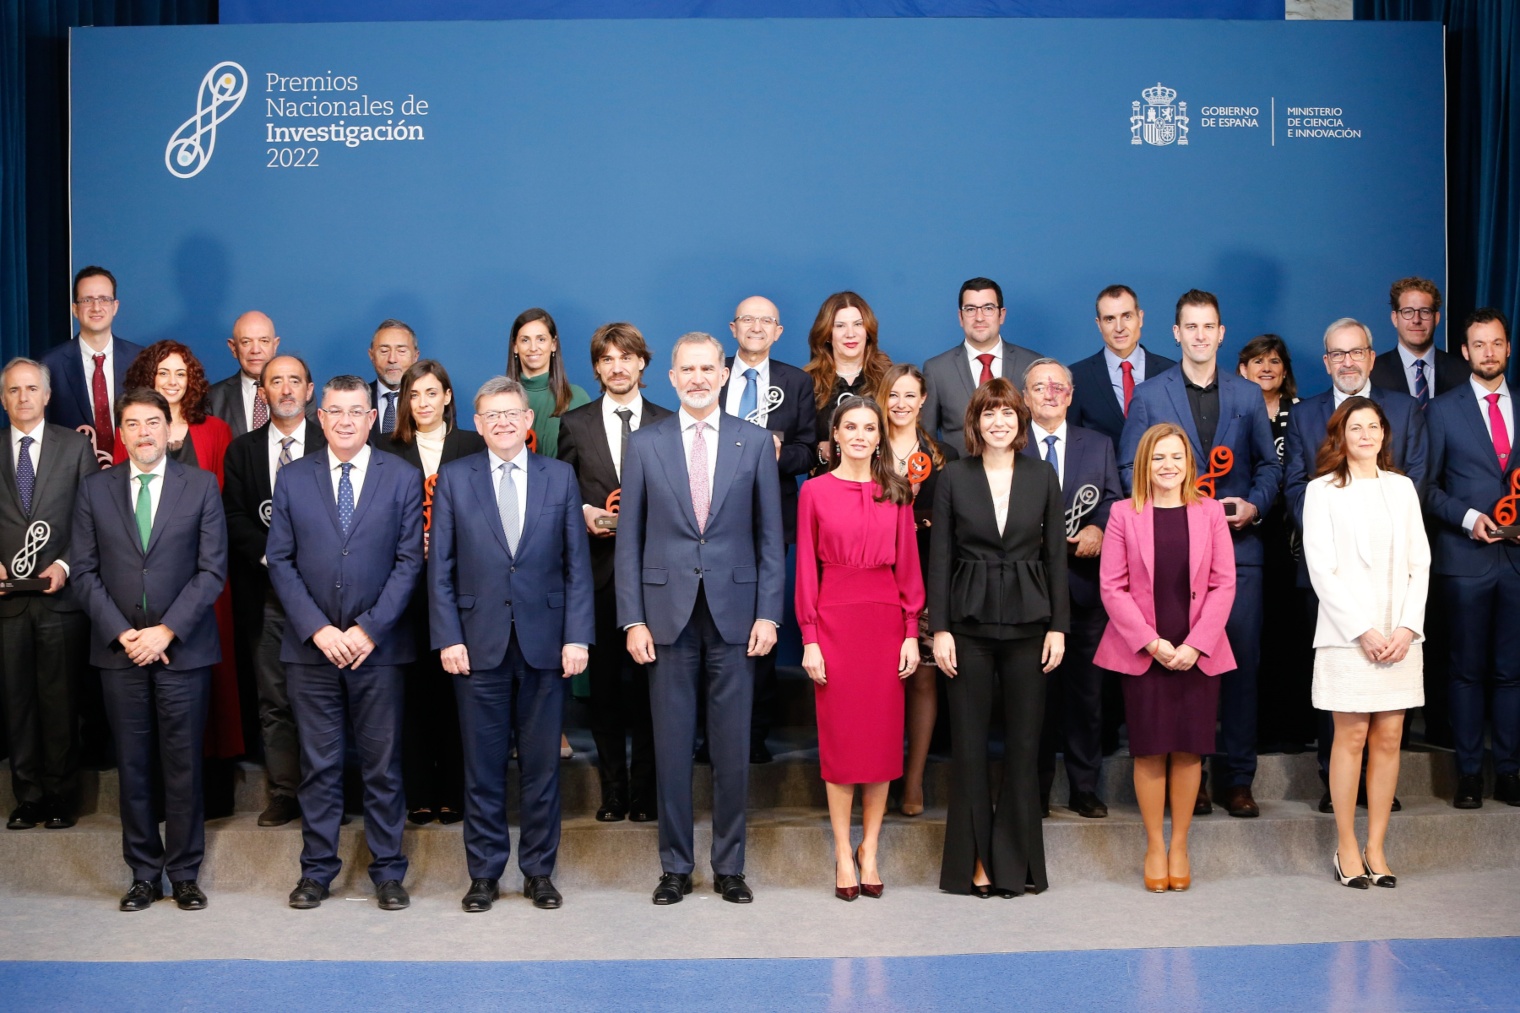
[(1369, 561)]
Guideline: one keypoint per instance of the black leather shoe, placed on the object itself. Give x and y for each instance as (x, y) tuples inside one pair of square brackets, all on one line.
[(420, 817), (141, 895), (1238, 802), (1202, 805), (280, 811), (1325, 803), (733, 888), (59, 815), (642, 807), (189, 896), (702, 754), (1507, 789), (1044, 807), (25, 816), (614, 808), (480, 896), (540, 890), (392, 896), (673, 886), (1469, 792), (1088, 805), (759, 753), (308, 894), (448, 816)]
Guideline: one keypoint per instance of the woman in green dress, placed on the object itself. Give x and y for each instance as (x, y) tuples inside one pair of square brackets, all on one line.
[(536, 362)]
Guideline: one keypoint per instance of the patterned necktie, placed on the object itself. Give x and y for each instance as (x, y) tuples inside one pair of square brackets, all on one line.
[(1500, 431), (345, 499), (26, 478), (626, 415), (1421, 383), (260, 410), (751, 396), (506, 502), (1051, 456), (105, 433), (701, 494), (144, 510), (986, 360), (1128, 368), (389, 422), (285, 457)]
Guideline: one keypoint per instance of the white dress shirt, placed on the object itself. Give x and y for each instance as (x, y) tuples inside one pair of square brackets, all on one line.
[(297, 449), (1037, 437), (613, 427), (1338, 399), (155, 487), (519, 480), (1408, 358), (710, 434), (996, 351), (1115, 366), (88, 354), (737, 381), (360, 464), (1506, 411)]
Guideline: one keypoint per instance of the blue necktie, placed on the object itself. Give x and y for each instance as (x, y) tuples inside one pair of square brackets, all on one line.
[(345, 499), (751, 396), (1051, 456), (388, 423), (1421, 384), (26, 478)]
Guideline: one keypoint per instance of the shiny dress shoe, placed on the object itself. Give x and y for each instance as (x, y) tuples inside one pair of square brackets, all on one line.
[(1358, 882), (141, 895), (759, 753), (448, 816), (845, 892), (640, 812), (189, 896), (392, 896), (733, 888), (1384, 879), (1203, 806), (540, 890), (421, 817), (1087, 805), (308, 894), (281, 810), (673, 886), (25, 816), (872, 890), (982, 891), (480, 896), (59, 816), (1469, 792), (1507, 789), (1239, 803), (614, 809), (1155, 885), (1325, 803)]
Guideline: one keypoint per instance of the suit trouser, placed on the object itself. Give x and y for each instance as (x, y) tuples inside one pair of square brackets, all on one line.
[(373, 693), (699, 654), (1237, 689), (134, 697), (619, 708), (41, 649), (491, 704), (1485, 637), (277, 723), (1074, 707)]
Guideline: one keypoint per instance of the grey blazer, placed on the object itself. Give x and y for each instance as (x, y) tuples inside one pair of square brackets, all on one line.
[(64, 457), (951, 383)]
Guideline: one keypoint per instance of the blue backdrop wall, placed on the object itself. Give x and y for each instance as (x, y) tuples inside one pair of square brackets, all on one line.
[(659, 171)]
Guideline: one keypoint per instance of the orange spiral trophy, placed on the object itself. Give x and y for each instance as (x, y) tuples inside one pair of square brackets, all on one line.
[(532, 441), (919, 466), (1507, 510), (1220, 462), (614, 498)]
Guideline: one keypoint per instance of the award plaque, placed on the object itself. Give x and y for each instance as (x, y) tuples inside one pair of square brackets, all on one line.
[(1220, 462), (1082, 505), (26, 584), (25, 559), (772, 400), (614, 498), (1507, 510)]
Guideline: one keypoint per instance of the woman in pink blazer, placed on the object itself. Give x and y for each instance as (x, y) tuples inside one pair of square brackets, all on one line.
[(1167, 578)]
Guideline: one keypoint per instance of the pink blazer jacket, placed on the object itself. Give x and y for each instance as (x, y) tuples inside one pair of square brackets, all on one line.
[(1126, 582)]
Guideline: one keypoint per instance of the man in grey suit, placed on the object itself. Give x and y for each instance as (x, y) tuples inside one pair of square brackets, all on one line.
[(953, 376), (701, 565), (239, 400), (42, 633)]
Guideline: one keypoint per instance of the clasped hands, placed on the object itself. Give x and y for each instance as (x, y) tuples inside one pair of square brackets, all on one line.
[(344, 648), (1178, 658), (147, 646), (1386, 650)]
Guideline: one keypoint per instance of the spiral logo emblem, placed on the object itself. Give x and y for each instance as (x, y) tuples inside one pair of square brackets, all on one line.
[(222, 91), (266, 511), (25, 560)]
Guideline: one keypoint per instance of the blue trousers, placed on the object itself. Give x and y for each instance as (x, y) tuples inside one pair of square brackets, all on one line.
[(1485, 638), (1237, 689)]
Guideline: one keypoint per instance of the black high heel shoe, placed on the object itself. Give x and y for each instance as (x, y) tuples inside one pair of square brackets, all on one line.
[(1361, 882), (1387, 879)]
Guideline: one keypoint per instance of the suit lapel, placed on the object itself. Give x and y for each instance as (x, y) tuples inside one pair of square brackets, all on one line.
[(10, 475), (1481, 437), (963, 370), (1198, 543), (46, 458), (1224, 433), (537, 476), (727, 466), (327, 492), (1096, 376), (602, 461), (168, 500), (79, 383), (673, 450), (1176, 390), (485, 494), (1145, 534), (121, 491)]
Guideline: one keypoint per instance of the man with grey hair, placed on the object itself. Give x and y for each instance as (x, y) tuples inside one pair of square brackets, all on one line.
[(43, 630), (1084, 462), (1348, 359), (392, 351), (701, 562)]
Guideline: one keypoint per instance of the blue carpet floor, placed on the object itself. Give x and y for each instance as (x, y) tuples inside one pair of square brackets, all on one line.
[(1405, 975)]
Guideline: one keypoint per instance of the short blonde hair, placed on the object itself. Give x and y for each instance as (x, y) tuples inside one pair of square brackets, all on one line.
[(1142, 479)]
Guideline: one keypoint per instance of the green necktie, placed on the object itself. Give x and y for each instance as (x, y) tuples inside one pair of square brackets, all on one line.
[(144, 510)]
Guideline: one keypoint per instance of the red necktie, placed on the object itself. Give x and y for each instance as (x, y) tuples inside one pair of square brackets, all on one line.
[(1128, 369), (986, 360), (260, 410), (105, 436), (1501, 434)]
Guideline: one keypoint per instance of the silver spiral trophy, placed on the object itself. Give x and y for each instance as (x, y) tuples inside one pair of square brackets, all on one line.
[(25, 559), (266, 511), (1082, 506), (772, 400)]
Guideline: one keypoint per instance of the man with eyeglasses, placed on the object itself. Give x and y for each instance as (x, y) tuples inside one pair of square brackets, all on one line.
[(344, 554), (1420, 368), (1349, 360), (392, 351), (951, 377), (1084, 462), (91, 368), (1106, 382)]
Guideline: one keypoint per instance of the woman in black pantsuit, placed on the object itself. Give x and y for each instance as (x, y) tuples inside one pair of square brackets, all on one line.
[(1000, 613)]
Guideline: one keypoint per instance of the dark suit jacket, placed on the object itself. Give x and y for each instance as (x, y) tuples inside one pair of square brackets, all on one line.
[(1464, 474), (795, 420), (1093, 404), (1243, 427), (984, 583), (1388, 372), (1089, 461), (73, 404), (949, 384), (180, 574), (326, 579), (739, 559), (1307, 421), (479, 593), (63, 458), (225, 401), (583, 446)]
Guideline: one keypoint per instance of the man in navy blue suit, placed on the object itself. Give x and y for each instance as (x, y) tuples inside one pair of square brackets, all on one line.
[(344, 554), (1472, 461), (700, 579), (149, 559), (90, 369), (1106, 382), (1084, 462), (1216, 408), (510, 597)]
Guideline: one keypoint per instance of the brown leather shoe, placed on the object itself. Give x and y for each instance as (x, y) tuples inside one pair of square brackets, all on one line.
[(1239, 803), (1202, 806)]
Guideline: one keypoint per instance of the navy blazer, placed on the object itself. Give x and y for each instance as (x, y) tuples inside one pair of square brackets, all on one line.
[(179, 575), (364, 579), (1451, 371), (1243, 427), (739, 559), (479, 593), (1307, 421), (1464, 475), (1093, 404), (795, 420), (73, 403), (1089, 461)]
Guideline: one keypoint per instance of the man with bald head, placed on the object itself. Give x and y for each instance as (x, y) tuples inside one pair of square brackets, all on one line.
[(239, 400)]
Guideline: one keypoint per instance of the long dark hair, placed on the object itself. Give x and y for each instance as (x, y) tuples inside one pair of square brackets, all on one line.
[(559, 383), (820, 345), (1332, 458), (890, 486), (406, 429)]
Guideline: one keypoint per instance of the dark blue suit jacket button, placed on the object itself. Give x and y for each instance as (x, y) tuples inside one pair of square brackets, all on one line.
[(697, 571)]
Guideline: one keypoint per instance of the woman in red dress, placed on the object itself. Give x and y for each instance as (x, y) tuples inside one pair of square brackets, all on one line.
[(859, 593)]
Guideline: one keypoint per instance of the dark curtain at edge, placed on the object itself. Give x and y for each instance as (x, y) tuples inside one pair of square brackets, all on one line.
[(1482, 170), (34, 154)]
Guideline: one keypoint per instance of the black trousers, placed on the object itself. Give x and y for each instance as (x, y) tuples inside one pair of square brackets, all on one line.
[(41, 651), (619, 707), (1073, 723), (277, 723), (432, 753)]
